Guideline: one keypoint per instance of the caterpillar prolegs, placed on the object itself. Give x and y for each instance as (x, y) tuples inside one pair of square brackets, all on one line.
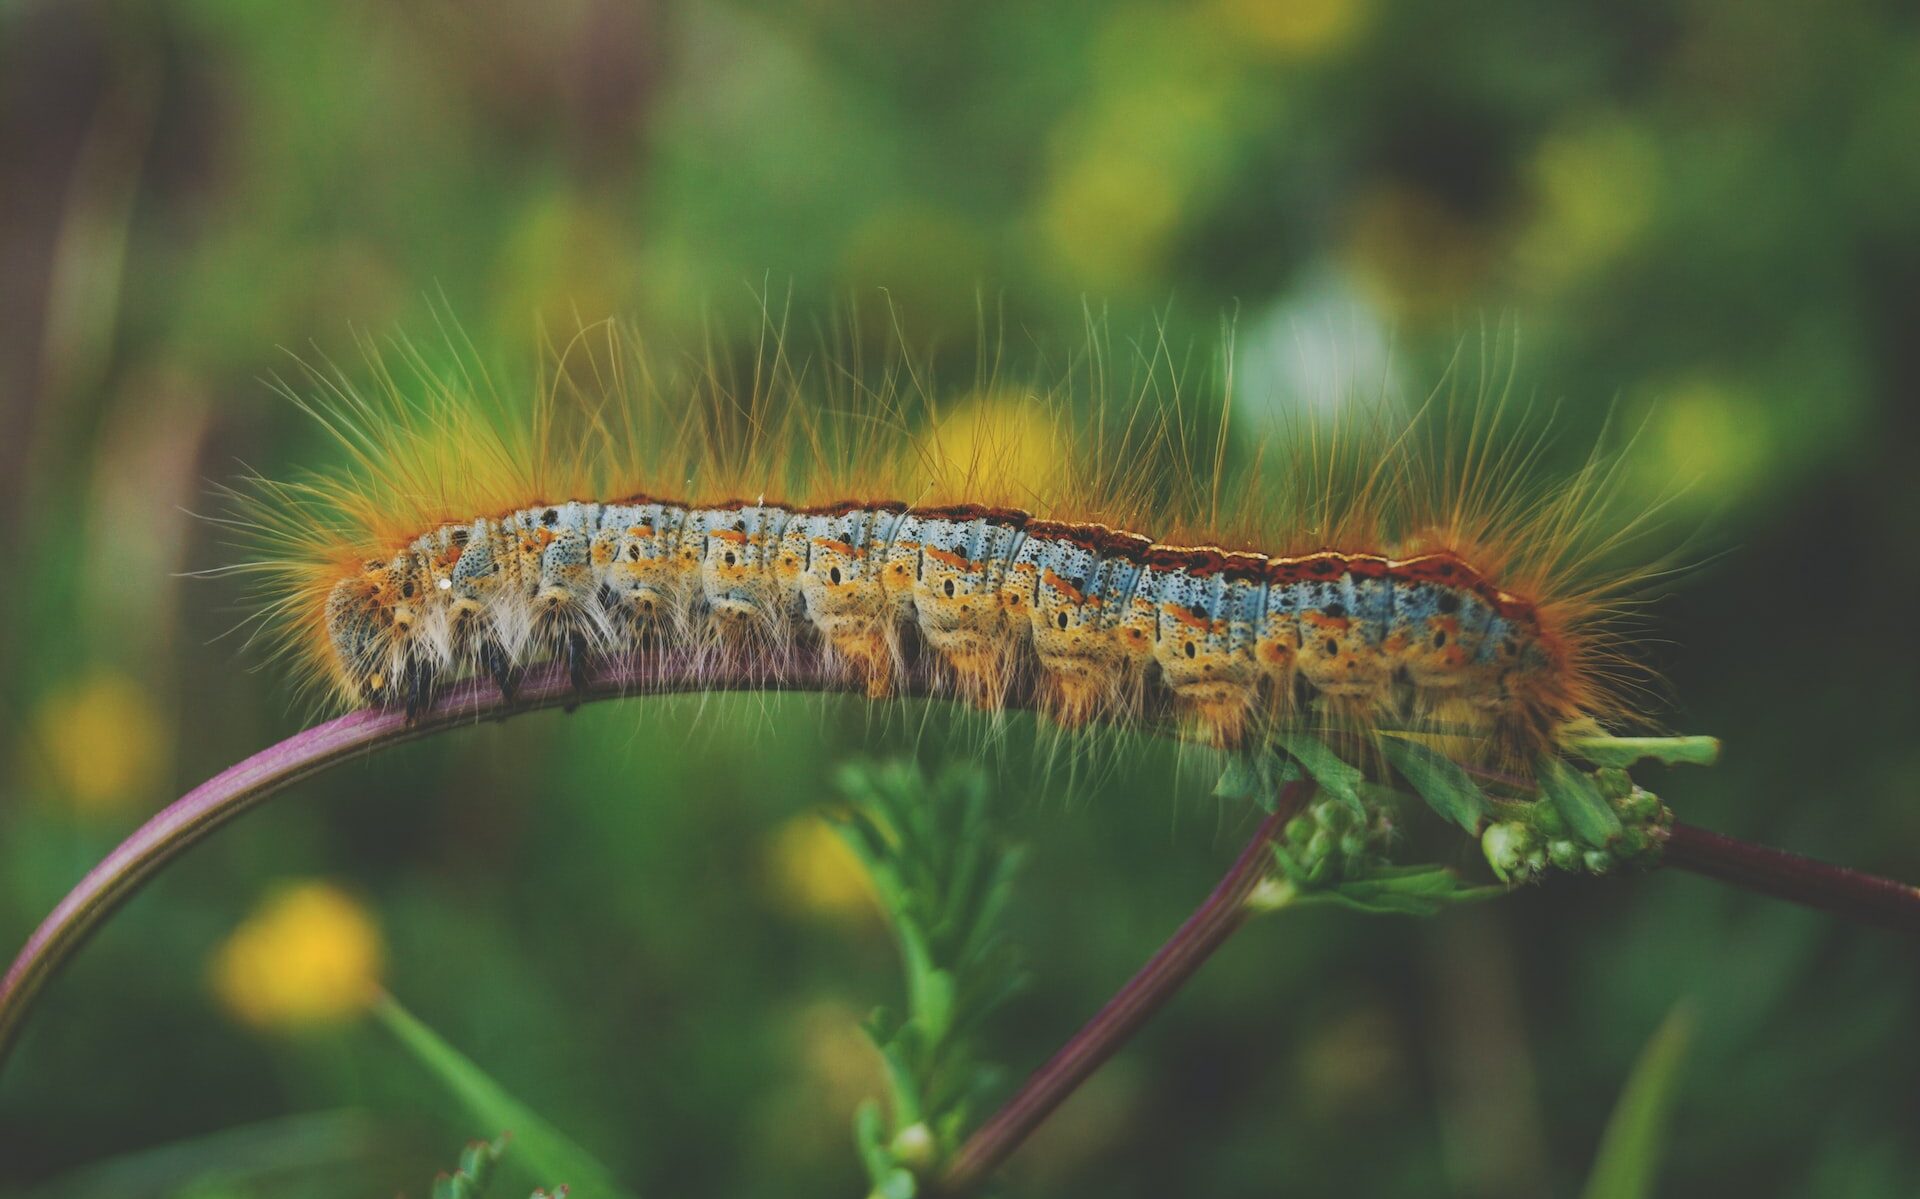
[(1100, 614)]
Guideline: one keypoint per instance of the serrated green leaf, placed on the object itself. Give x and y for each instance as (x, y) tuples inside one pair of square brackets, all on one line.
[(945, 883), (538, 1144), (1668, 751), (1439, 781), (1333, 774), (1636, 1134), (477, 1159), (1578, 800)]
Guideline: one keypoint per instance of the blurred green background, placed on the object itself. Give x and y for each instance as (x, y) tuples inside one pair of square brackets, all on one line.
[(1702, 215)]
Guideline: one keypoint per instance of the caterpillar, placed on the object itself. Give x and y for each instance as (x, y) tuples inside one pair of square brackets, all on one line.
[(1419, 576)]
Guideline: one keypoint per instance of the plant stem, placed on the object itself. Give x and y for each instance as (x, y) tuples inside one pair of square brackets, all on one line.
[(1796, 879), (1166, 972), (661, 672), (241, 787)]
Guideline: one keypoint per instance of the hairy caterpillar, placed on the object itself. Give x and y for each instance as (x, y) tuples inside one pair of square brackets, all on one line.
[(1411, 576)]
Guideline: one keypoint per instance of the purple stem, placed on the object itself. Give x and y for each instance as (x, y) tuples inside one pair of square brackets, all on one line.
[(238, 788), (1789, 876), (1166, 972)]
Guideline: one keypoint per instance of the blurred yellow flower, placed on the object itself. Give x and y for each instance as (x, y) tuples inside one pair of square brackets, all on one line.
[(812, 869), (839, 1060), (101, 740), (1710, 437), (1155, 134), (308, 955), (1293, 28), (1595, 187), (1108, 216), (1001, 446)]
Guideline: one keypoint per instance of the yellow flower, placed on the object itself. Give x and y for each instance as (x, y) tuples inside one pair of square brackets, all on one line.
[(1294, 28), (813, 869), (1001, 445), (308, 955), (102, 742), (1712, 436), (1108, 217), (1596, 187)]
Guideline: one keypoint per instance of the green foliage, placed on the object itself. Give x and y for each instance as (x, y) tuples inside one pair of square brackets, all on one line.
[(1638, 1130), (1706, 211), (1328, 855), (1595, 822), (1566, 828), (1438, 780), (944, 882), (470, 1178), (1329, 771), (545, 1149), (1628, 751), (1578, 800)]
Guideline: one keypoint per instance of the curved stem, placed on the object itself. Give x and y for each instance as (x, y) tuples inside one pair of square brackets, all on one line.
[(661, 672), (1796, 879), (1224, 911), (241, 787)]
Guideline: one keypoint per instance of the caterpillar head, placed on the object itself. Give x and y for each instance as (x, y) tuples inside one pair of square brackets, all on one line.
[(361, 624)]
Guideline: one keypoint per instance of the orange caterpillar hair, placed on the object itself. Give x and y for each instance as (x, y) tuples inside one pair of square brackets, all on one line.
[(1423, 574)]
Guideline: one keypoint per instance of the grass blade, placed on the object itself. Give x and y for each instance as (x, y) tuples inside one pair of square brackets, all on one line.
[(537, 1145), (1636, 1133)]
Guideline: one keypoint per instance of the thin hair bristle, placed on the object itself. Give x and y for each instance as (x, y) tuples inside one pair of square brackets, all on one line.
[(1138, 438)]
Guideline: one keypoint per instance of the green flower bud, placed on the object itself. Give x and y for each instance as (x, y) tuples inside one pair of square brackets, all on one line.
[(1352, 845), (913, 1147), (1332, 814), (1320, 847), (1508, 846), (1299, 829), (1613, 781), (1599, 861), (1639, 807), (1564, 854), (1547, 820)]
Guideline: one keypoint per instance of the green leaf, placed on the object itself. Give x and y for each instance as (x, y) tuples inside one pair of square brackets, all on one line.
[(1439, 780), (870, 1138), (536, 1143), (945, 883), (1636, 1134), (1668, 751), (1334, 776), (1240, 779), (1578, 800), (1403, 891), (935, 1007)]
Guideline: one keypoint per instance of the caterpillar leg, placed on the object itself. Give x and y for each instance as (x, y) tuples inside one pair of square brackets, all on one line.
[(576, 651), (501, 668), (419, 689)]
